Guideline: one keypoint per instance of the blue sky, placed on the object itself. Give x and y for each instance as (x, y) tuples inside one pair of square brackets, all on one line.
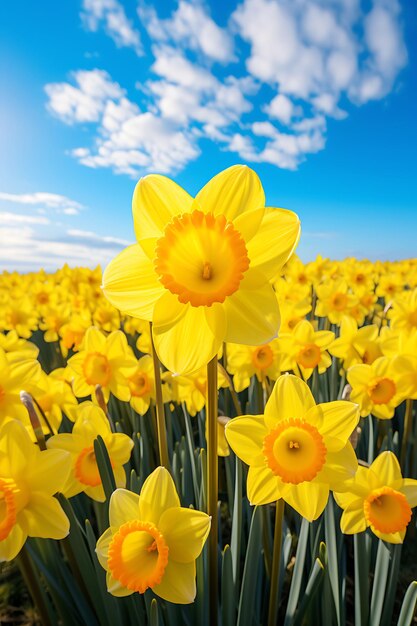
[(318, 96)]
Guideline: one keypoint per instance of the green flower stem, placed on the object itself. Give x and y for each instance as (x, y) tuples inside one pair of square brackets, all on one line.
[(212, 486), (276, 562), (160, 413), (407, 430)]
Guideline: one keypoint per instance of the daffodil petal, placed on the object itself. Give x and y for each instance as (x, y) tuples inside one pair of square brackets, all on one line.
[(187, 345), (309, 499), (252, 316), (232, 192), (178, 583), (409, 489), (45, 518), (291, 398), (185, 531), (156, 200), (116, 588), (11, 546), (275, 241), (102, 547), (263, 486), (353, 519), (130, 283), (158, 494), (245, 435), (124, 507), (337, 420), (387, 468), (339, 466), (49, 471), (397, 537)]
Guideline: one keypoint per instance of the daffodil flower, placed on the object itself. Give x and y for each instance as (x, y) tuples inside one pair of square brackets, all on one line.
[(29, 478), (152, 542), (200, 271), (297, 450), (380, 498)]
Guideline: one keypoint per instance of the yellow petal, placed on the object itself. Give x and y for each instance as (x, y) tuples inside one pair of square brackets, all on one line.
[(397, 537), (336, 421), (187, 345), (102, 547), (158, 494), (131, 284), (386, 468), (409, 489), (359, 375), (185, 532), (124, 507), (245, 435), (156, 200), (44, 517), (49, 471), (252, 316), (339, 466), (11, 546), (291, 398), (234, 191), (116, 588), (178, 583), (94, 340), (263, 486), (308, 498), (18, 446), (275, 241), (353, 520)]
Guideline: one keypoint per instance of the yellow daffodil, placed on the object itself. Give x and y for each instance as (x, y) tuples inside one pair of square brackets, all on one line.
[(380, 498), (334, 301), (192, 389), (297, 450), (16, 348), (54, 318), (243, 362), (142, 385), (305, 349), (378, 388), (356, 345), (152, 542), (14, 377), (29, 479), (19, 315), (201, 268), (55, 397), (104, 361), (403, 314), (84, 474)]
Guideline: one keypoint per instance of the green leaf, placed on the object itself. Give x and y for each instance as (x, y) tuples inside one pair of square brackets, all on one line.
[(250, 571), (379, 588), (313, 585), (362, 556), (228, 606), (408, 607), (298, 572)]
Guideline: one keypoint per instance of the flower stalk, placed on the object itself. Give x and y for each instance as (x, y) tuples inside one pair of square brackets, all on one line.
[(212, 484), (276, 561)]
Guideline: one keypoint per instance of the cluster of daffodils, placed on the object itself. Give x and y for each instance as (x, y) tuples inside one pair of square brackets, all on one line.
[(317, 353)]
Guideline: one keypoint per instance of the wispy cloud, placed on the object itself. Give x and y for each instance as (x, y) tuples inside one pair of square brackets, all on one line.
[(111, 15), (61, 204), (263, 86), (16, 218)]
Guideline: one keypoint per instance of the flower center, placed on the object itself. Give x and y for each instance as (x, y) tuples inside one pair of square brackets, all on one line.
[(139, 384), (387, 510), (295, 451), (8, 493), (138, 556), (96, 369), (339, 301), (262, 357), (86, 468), (309, 356), (382, 390), (201, 258)]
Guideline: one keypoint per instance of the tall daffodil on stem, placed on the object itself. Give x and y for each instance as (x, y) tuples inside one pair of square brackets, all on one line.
[(201, 268)]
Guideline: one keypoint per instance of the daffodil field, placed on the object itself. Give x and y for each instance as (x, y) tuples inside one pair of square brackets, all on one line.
[(210, 431)]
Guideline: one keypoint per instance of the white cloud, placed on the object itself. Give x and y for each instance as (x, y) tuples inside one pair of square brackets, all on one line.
[(25, 249), (85, 102), (191, 27), (308, 59), (10, 218), (61, 204), (112, 15)]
